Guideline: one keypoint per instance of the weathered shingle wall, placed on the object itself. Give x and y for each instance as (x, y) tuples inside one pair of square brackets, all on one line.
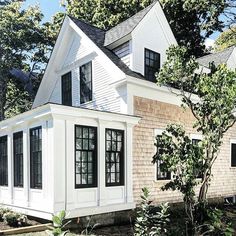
[(156, 115)]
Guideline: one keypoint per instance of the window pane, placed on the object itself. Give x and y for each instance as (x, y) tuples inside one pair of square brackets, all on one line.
[(66, 89), (86, 83), (152, 64), (36, 158), (18, 159), (114, 157), (86, 161), (3, 161), (160, 174), (233, 154)]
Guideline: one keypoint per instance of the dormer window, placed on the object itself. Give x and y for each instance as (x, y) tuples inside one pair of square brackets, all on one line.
[(152, 64), (86, 83), (66, 93)]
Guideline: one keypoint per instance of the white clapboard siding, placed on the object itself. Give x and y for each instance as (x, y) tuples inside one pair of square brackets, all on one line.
[(104, 97), (77, 51)]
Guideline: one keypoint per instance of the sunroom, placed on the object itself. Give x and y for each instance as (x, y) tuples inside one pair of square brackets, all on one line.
[(57, 157)]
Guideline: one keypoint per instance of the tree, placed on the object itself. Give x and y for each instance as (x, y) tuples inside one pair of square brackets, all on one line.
[(211, 99), (194, 21), (24, 45), (191, 21), (104, 13), (226, 39)]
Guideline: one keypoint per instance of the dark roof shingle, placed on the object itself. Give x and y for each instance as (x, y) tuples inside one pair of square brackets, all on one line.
[(98, 36), (218, 57), (125, 27)]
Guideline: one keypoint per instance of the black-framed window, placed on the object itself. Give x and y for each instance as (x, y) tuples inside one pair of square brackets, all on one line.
[(114, 157), (161, 175), (196, 141), (233, 154), (66, 89), (86, 83), (3, 161), (85, 156), (18, 159), (36, 158), (152, 62)]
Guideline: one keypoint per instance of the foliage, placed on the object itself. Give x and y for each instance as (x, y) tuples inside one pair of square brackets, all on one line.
[(226, 39), (211, 98), (25, 43), (216, 223), (104, 13), (3, 210), (89, 227), (192, 21), (149, 220), (14, 219), (59, 224), (184, 160)]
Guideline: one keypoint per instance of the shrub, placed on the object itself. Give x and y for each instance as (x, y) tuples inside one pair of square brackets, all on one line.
[(14, 219), (59, 224), (151, 220), (215, 223), (3, 211)]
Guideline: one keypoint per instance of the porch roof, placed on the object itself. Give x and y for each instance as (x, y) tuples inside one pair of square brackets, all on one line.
[(53, 109)]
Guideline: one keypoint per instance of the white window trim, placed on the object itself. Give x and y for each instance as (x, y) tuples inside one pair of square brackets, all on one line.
[(232, 141), (196, 136)]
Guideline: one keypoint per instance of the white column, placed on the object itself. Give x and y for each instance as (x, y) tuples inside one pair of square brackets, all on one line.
[(26, 162), (129, 163), (10, 166), (101, 164)]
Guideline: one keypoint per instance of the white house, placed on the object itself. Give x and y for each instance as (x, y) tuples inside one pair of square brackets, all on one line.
[(87, 144)]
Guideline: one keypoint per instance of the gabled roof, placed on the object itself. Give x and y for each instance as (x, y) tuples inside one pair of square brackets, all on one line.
[(125, 27), (98, 37), (218, 57)]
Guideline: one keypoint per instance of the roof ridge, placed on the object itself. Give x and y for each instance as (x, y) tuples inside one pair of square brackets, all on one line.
[(150, 6), (214, 53), (87, 23)]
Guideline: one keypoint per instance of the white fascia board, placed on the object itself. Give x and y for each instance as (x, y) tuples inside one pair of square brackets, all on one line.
[(119, 42), (75, 112), (37, 100), (49, 111), (41, 112), (108, 64)]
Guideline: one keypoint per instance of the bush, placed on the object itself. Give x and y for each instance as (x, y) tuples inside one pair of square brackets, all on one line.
[(3, 211), (151, 220), (14, 219)]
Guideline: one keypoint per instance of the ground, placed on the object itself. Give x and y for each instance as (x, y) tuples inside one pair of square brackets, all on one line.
[(128, 231)]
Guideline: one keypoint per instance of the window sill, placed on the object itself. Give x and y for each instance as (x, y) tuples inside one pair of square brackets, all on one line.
[(86, 103), (161, 181)]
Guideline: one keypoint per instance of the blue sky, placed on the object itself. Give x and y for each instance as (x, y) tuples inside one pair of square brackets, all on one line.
[(48, 7)]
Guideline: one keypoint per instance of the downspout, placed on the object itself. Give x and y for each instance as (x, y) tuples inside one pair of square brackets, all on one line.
[(65, 207)]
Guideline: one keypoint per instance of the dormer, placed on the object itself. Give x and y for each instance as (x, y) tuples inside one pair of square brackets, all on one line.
[(142, 40)]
